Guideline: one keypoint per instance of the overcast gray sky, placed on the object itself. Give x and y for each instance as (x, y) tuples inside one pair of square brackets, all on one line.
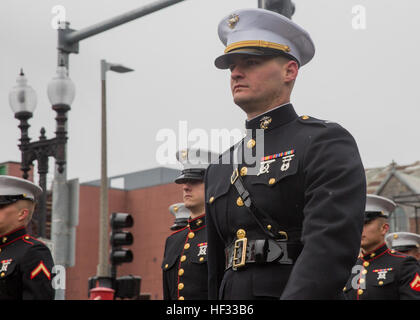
[(364, 79)]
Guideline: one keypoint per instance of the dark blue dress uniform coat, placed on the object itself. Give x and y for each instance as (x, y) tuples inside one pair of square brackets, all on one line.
[(317, 197), (25, 268), (384, 275), (184, 264)]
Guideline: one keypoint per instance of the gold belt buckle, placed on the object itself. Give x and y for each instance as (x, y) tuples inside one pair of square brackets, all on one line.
[(240, 243)]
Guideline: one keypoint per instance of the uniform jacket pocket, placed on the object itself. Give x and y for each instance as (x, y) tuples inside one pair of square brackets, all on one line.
[(169, 262)]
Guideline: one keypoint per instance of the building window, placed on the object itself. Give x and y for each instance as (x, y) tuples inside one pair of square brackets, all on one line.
[(3, 170), (398, 220)]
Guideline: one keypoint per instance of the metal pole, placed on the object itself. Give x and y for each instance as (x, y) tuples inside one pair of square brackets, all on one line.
[(76, 36), (103, 266), (60, 218), (261, 4), (59, 222), (42, 171)]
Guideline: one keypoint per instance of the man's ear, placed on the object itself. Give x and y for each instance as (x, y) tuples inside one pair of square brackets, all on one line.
[(291, 71), (23, 214), (385, 228)]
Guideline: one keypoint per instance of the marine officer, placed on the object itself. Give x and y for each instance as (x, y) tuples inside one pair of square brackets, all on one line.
[(284, 218), (25, 263), (185, 259), (405, 242), (381, 273)]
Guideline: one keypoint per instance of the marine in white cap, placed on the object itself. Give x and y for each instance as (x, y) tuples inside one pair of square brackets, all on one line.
[(184, 265), (25, 263), (287, 225), (405, 242), (381, 273)]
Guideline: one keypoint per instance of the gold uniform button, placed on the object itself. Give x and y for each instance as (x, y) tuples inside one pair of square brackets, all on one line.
[(26, 238), (305, 117), (186, 246), (381, 283), (191, 235), (183, 258), (180, 286), (201, 259), (4, 239), (244, 171), (240, 234), (180, 272), (372, 255), (395, 236), (360, 291), (269, 227), (365, 264), (239, 202), (361, 280), (181, 298), (2, 274), (199, 222), (166, 266), (345, 288), (364, 271), (250, 144), (211, 200), (271, 181)]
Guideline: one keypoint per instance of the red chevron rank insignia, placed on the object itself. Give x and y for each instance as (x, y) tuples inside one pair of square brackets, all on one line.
[(38, 269), (415, 284)]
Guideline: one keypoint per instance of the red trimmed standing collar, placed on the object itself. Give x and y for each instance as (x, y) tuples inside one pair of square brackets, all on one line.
[(375, 253), (7, 238), (197, 223)]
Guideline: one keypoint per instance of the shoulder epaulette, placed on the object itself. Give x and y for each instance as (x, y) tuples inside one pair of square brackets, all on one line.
[(398, 254), (311, 120), (177, 231)]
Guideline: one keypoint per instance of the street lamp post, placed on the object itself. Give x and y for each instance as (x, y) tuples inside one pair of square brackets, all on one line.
[(22, 99), (103, 270)]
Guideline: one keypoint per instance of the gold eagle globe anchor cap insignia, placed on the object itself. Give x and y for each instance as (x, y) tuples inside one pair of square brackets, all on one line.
[(233, 20)]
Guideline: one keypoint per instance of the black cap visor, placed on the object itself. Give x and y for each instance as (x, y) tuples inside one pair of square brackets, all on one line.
[(9, 199), (195, 175), (372, 215), (225, 61), (404, 248)]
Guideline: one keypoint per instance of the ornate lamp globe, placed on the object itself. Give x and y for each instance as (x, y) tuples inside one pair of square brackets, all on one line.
[(22, 98)]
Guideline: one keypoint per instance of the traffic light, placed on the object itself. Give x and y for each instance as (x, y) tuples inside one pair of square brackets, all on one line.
[(128, 287), (120, 238)]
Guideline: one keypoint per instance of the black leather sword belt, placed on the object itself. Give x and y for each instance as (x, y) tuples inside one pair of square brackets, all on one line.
[(244, 251)]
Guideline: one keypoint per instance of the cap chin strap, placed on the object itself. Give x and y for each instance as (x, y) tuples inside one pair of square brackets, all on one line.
[(258, 44)]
